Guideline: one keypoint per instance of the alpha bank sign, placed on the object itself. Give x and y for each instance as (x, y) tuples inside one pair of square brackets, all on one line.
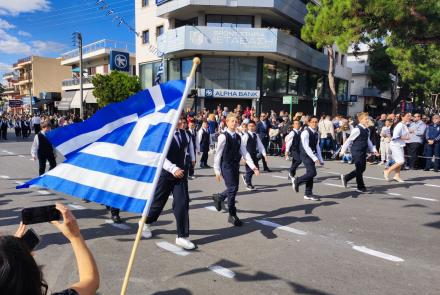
[(160, 2), (119, 61), (229, 93)]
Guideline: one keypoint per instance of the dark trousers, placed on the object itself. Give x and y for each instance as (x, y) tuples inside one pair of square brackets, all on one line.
[(412, 150), (360, 163), (204, 158), (296, 161), (231, 176), (432, 150), (42, 163), (4, 132), (37, 128), (167, 184), (249, 171), (113, 211), (17, 131), (310, 174), (265, 142)]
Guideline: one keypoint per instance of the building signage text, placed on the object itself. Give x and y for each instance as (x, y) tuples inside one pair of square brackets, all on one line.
[(229, 93)]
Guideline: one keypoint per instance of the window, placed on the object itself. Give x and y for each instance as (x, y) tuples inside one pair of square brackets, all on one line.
[(145, 37), (190, 22), (213, 20), (144, 3), (336, 57), (186, 67), (159, 31), (215, 71), (174, 69), (239, 21), (281, 78), (302, 83), (146, 75), (243, 73), (269, 73), (342, 59), (244, 21), (292, 86)]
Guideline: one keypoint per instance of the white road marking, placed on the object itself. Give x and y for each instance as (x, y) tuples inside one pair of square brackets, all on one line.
[(432, 185), (172, 248), (394, 194), (77, 207), (117, 225), (282, 177), (224, 272), (425, 199), (211, 208), (375, 178), (41, 192), (4, 176), (382, 255), (21, 156), (332, 184), (18, 182), (334, 173), (10, 153), (282, 227)]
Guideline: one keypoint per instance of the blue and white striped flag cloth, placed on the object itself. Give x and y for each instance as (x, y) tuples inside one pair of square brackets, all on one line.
[(159, 74), (115, 157)]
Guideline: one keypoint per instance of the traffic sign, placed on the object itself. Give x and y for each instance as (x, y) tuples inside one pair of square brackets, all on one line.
[(295, 100), (287, 99)]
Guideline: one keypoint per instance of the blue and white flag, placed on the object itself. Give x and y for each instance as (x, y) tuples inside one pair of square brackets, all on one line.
[(159, 74), (115, 157)]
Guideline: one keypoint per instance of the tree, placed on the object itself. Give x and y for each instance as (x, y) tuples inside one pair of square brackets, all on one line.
[(332, 22), (114, 87), (2, 88), (380, 66)]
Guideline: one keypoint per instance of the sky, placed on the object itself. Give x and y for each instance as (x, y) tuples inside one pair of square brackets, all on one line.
[(45, 27)]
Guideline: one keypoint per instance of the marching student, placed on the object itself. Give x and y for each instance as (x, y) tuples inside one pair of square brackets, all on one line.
[(190, 155), (42, 149), (203, 143), (360, 142), (193, 135), (310, 154), (401, 133), (230, 149), (253, 146), (263, 128), (293, 142), (172, 179)]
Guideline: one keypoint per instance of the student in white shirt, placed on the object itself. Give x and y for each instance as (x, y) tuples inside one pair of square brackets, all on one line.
[(400, 135)]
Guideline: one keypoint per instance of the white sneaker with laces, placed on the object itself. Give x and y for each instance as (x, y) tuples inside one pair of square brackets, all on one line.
[(146, 233), (185, 244), (311, 198)]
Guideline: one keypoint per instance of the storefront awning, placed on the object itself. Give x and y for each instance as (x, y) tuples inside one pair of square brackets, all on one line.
[(66, 99), (76, 101), (90, 98)]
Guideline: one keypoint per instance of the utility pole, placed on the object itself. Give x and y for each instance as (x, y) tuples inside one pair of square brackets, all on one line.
[(77, 40)]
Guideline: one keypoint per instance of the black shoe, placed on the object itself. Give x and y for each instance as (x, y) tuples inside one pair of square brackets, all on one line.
[(217, 202), (296, 184), (267, 170), (233, 219), (426, 169), (116, 219), (344, 180), (250, 187), (435, 170), (207, 167), (362, 190)]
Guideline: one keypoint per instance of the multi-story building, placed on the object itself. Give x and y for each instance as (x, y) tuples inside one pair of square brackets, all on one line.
[(251, 52), (100, 57), (11, 94), (368, 97), (38, 75)]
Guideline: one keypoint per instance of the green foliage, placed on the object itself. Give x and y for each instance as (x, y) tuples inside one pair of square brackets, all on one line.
[(114, 87), (380, 66), (332, 22), (2, 88)]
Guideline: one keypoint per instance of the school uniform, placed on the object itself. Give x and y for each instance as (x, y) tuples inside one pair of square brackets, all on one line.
[(360, 143), (397, 143), (193, 135), (17, 127), (432, 133), (4, 125), (43, 150), (230, 149), (293, 142), (254, 146), (263, 128), (168, 183), (309, 153), (203, 142)]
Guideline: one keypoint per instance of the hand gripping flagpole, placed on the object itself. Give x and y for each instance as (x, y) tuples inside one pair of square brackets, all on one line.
[(196, 62)]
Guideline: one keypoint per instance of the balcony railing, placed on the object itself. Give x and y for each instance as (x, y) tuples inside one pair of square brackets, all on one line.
[(102, 44), (23, 60), (24, 77), (75, 81)]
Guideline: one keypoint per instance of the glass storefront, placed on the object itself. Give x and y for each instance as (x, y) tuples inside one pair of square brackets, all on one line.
[(243, 73), (215, 72)]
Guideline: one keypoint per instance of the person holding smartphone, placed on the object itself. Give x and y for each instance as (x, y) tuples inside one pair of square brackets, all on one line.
[(18, 265)]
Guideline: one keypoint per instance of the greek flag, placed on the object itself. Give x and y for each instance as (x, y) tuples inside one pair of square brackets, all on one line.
[(115, 157), (159, 74)]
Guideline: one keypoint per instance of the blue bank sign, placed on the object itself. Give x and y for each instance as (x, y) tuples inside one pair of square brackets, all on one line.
[(229, 93), (119, 61)]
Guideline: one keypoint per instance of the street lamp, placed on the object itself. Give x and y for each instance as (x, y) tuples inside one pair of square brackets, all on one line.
[(78, 41)]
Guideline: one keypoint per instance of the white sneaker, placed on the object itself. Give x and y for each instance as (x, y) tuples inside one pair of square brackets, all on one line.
[(311, 198), (146, 233), (185, 244), (399, 179)]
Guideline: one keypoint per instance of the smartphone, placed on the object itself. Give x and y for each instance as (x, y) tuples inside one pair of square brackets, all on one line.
[(40, 214), (31, 239)]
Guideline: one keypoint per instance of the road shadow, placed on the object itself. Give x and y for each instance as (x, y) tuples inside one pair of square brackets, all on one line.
[(178, 291)]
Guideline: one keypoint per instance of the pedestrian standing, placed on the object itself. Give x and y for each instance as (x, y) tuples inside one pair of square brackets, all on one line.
[(385, 139), (36, 123), (360, 142), (17, 127), (293, 142), (172, 179), (230, 149), (43, 150), (203, 143), (432, 146), (310, 153), (193, 135), (400, 135), (415, 143), (4, 125), (254, 147)]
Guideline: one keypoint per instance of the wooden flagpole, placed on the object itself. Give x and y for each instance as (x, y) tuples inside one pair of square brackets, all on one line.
[(196, 62)]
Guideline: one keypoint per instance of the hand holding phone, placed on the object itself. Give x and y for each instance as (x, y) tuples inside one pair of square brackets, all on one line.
[(31, 239), (40, 214), (69, 228)]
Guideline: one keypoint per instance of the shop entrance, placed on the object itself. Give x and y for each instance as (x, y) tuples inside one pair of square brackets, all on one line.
[(212, 103)]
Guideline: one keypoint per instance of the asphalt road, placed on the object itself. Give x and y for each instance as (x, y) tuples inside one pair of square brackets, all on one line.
[(383, 242)]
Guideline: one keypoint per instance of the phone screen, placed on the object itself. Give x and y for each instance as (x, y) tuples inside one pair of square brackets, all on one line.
[(40, 214), (31, 239)]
